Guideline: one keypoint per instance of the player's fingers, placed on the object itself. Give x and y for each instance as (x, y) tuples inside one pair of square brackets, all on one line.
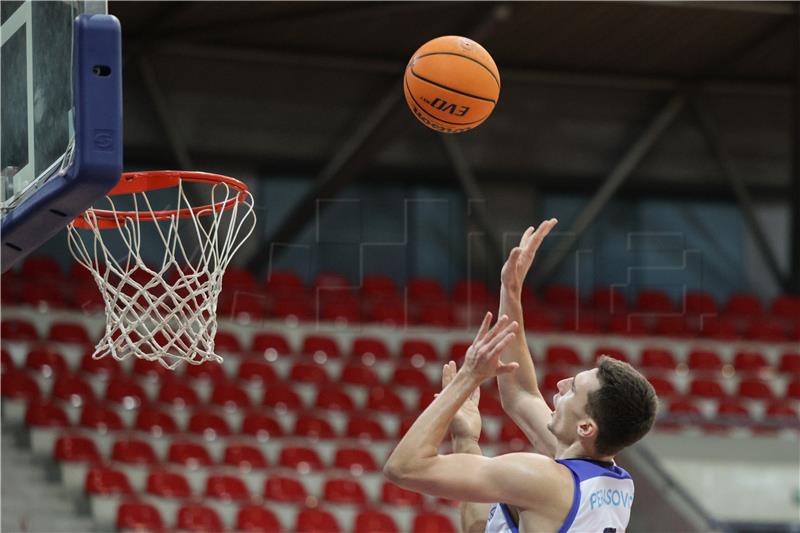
[(501, 345), (501, 323), (491, 346), (484, 327), (507, 369), (526, 236)]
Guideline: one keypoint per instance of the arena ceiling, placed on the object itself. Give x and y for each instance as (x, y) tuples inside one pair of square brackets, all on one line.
[(282, 86)]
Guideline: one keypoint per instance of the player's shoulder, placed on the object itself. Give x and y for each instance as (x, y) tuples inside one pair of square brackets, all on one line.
[(547, 483), (540, 467)]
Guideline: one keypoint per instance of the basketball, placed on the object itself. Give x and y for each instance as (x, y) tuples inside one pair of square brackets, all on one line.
[(451, 84)]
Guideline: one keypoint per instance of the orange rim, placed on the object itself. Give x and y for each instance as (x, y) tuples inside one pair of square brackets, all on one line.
[(136, 182)]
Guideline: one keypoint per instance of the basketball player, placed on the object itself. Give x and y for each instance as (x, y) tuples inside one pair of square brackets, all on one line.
[(575, 485)]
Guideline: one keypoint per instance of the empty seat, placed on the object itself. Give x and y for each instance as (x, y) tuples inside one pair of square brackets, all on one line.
[(207, 370), (730, 413), (706, 388), (69, 332), (241, 305), (238, 278), (45, 360), (409, 376), (787, 306), (293, 310), (155, 421), (208, 423), (610, 351), (261, 425), (225, 341), (244, 456), (781, 414), (705, 360), (672, 326), (226, 487), (282, 396), (438, 314), (45, 414), (344, 491), (230, 396), (308, 372), (608, 299), (100, 417), (384, 399), (433, 522), (744, 304), (749, 361), (377, 286), (138, 516), (683, 411), (790, 363), (150, 369), (197, 517), (346, 311), (283, 280), (7, 362), (389, 312), (755, 389), (257, 370), (105, 480), (133, 451), (333, 397), (17, 330), (659, 358), (422, 289), (793, 389), (41, 267), (458, 351), (413, 349), (510, 432), (106, 365), (358, 374), (272, 344), (630, 324), (354, 459), (167, 484), (489, 404), (369, 348), (551, 379), (316, 521), (125, 392), (188, 453), (654, 301), (300, 457), (557, 355), (699, 302), (18, 384), (374, 522), (363, 427), (284, 489), (308, 425), (662, 386), (720, 327), (177, 393), (395, 495), (47, 295), (320, 345), (254, 518), (561, 296), (76, 448)]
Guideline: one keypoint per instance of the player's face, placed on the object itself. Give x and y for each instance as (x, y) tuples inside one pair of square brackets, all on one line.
[(570, 404)]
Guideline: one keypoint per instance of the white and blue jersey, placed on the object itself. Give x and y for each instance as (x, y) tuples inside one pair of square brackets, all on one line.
[(601, 502)]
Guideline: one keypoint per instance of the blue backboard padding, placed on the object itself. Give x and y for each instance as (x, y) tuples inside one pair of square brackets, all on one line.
[(97, 161)]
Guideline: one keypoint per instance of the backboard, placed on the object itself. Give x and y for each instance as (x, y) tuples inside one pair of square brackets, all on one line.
[(61, 116)]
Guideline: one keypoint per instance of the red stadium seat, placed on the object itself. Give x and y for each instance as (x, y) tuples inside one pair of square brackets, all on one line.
[(283, 396), (790, 363), (18, 384), (226, 487), (384, 399), (433, 522), (362, 427), (155, 421), (257, 370), (408, 376), (699, 302), (672, 326), (466, 290), (76, 448), (188, 453), (284, 489), (138, 516), (720, 327), (330, 280), (293, 310), (413, 348), (7, 362), (208, 370), (197, 517), (69, 332), (490, 404), (786, 306), (133, 451), (631, 324), (261, 425), (426, 396), (320, 345), (87, 297), (105, 480), (684, 411), (657, 358), (458, 351), (333, 397), (344, 311), (354, 459), (793, 389), (755, 389), (45, 414), (744, 304), (654, 301), (749, 361), (106, 365), (609, 299), (241, 305), (238, 278), (18, 330), (257, 519), (308, 372), (706, 388), (781, 414), (510, 432), (369, 348), (439, 314), (557, 355), (227, 342), (424, 289), (395, 495), (616, 353), (766, 329), (244, 456), (209, 424), (358, 374), (282, 280), (270, 343), (125, 391), (300, 458), (662, 386), (316, 521), (551, 379), (704, 360), (177, 393), (389, 312), (561, 296), (376, 287), (375, 522), (42, 268), (46, 295), (150, 369), (100, 417), (314, 427), (168, 484), (230, 396), (344, 491), (46, 360)]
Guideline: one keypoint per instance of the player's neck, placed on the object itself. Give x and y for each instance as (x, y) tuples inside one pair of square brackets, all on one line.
[(577, 451)]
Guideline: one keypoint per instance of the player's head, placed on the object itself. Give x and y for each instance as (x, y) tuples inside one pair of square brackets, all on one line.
[(606, 408)]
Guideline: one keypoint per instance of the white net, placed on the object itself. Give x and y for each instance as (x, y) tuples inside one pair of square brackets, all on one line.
[(165, 312)]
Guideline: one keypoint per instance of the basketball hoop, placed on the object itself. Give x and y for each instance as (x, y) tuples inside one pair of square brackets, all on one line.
[(167, 312)]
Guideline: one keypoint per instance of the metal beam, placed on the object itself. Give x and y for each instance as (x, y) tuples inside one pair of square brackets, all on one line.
[(794, 202), (763, 8), (635, 154), (722, 156)]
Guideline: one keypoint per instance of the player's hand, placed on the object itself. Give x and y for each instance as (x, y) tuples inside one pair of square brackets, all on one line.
[(482, 360), (521, 257), (466, 424)]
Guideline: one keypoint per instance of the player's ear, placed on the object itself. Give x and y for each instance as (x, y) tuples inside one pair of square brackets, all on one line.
[(587, 428)]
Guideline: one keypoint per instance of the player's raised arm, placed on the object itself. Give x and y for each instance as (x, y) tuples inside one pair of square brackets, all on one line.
[(519, 392)]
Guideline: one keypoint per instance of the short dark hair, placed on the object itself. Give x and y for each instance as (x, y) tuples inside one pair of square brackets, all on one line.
[(624, 407)]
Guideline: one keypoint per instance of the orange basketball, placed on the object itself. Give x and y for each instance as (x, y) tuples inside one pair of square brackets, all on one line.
[(451, 84)]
